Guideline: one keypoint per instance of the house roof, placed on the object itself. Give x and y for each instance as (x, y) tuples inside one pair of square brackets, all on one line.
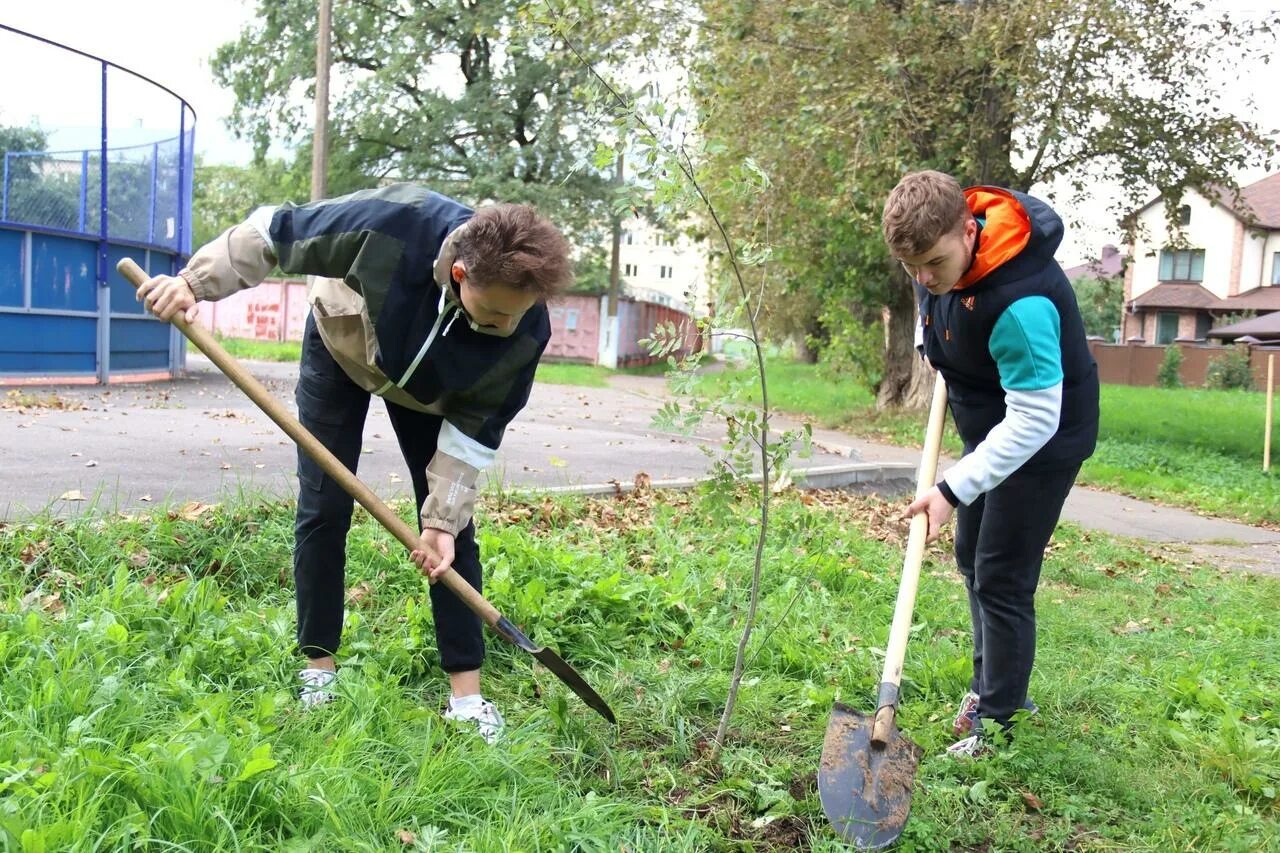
[(1189, 295), (1261, 199), (1258, 299), (1110, 265), (1176, 296), (1265, 327)]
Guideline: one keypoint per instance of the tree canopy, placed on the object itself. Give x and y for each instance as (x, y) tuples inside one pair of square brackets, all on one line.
[(474, 99), (837, 101)]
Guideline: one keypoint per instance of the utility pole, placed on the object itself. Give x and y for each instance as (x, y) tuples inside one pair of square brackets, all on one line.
[(608, 350), (320, 140)]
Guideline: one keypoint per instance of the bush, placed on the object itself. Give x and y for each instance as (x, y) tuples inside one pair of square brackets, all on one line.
[(1229, 371), (1168, 376)]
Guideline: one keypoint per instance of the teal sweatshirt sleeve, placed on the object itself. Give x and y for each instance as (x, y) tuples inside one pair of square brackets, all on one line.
[(1027, 345)]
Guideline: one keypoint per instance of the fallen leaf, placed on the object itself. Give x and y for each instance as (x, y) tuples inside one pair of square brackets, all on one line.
[(32, 550), (1033, 802), (359, 593), (91, 464), (146, 498), (73, 495), (226, 466), (406, 837), (192, 510)]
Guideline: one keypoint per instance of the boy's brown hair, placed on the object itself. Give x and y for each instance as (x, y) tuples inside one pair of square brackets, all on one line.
[(512, 245), (922, 209)]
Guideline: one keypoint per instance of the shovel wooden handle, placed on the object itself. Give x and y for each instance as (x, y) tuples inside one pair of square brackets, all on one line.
[(926, 477), (273, 409)]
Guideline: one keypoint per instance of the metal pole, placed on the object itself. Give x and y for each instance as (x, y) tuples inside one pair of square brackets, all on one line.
[(104, 303), (320, 140), (84, 190), (1266, 442), (181, 234), (151, 217)]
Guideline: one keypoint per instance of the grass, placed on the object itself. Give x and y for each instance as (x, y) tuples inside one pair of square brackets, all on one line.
[(148, 700), (1187, 447), (590, 375), (795, 387), (1191, 448), (254, 350)]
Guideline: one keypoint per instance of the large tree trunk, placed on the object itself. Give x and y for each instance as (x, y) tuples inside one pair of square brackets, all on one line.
[(907, 381), (804, 352)]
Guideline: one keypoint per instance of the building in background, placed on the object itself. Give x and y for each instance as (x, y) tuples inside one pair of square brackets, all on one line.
[(663, 266), (1225, 262)]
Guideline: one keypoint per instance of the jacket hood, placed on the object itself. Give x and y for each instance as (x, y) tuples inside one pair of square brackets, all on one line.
[(1015, 226)]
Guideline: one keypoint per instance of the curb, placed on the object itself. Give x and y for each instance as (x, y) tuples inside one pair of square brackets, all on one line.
[(826, 477)]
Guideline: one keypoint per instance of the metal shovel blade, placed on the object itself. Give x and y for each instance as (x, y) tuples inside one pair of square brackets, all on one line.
[(552, 661), (865, 789)]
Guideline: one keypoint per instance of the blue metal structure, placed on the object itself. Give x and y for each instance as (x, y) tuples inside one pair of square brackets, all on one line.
[(67, 217)]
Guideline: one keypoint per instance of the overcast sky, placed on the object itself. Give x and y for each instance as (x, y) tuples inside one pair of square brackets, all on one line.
[(171, 42)]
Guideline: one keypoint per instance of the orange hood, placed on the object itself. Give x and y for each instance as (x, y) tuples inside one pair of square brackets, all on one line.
[(1004, 234)]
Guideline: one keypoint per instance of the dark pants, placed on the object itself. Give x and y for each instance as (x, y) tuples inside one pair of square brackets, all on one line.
[(333, 408), (1000, 542)]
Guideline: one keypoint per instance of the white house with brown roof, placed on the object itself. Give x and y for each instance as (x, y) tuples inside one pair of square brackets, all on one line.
[(1224, 260)]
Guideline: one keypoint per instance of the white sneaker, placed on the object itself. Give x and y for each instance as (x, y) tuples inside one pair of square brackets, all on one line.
[(317, 687), (974, 746), (476, 711)]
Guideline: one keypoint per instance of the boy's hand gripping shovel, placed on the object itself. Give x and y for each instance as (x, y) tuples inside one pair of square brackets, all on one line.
[(272, 408), (868, 767)]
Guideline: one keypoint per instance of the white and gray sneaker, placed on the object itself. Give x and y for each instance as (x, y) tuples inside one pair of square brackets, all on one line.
[(317, 687), (475, 711)]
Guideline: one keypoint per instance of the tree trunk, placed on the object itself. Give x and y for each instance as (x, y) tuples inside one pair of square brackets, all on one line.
[(804, 352), (907, 382)]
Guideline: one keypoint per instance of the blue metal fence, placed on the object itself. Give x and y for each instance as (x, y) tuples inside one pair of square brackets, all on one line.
[(68, 215)]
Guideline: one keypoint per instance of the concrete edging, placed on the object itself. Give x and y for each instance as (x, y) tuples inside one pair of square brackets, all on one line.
[(826, 477)]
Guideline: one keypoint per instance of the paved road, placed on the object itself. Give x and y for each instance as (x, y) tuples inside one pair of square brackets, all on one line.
[(199, 438), (1176, 532)]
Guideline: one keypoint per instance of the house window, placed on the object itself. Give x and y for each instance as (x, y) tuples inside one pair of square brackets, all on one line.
[(1166, 327), (1182, 265), (1275, 269), (629, 238), (629, 269), (1203, 323), (571, 320), (1184, 215), (664, 272)]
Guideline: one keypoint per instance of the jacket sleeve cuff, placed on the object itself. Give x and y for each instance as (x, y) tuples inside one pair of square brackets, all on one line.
[(451, 493), (238, 258), (948, 494)]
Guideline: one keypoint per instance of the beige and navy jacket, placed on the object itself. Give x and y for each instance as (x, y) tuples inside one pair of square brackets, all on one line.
[(385, 306)]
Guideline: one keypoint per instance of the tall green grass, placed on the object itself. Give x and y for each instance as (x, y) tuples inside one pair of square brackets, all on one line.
[(1191, 448), (253, 350), (148, 702)]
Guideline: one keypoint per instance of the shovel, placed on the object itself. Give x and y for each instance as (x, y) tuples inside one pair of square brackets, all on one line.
[(868, 767), (247, 383)]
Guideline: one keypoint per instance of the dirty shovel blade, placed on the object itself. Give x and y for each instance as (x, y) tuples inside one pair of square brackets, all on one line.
[(865, 789)]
